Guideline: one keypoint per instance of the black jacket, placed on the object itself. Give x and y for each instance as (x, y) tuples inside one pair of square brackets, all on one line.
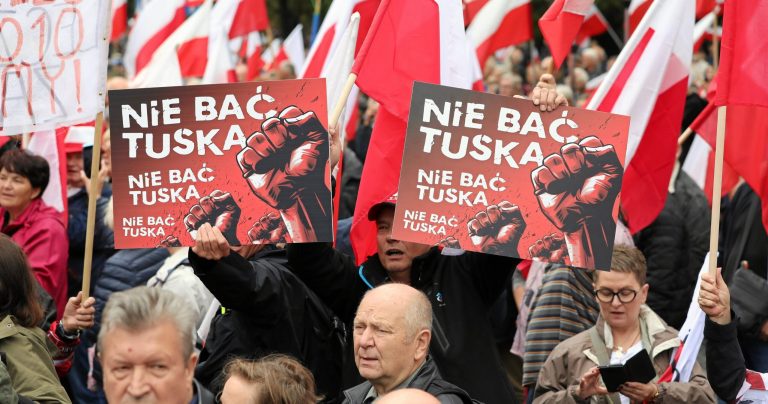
[(461, 290), (203, 395), (674, 246), (103, 238), (267, 310), (427, 378), (726, 370)]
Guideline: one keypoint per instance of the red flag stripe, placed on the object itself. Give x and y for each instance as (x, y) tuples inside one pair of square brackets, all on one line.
[(613, 94)]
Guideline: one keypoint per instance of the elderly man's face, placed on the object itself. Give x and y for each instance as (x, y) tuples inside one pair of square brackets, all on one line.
[(147, 366), (384, 352)]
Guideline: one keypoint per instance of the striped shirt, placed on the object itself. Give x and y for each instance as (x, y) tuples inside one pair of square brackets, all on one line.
[(564, 307)]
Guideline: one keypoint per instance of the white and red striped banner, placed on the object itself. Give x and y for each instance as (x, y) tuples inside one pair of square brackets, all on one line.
[(500, 23), (156, 22), (119, 19), (634, 86)]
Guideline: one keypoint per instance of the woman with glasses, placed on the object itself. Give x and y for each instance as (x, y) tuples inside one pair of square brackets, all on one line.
[(625, 327)]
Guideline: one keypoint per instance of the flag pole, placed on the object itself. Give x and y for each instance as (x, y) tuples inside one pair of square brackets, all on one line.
[(93, 195), (25, 140), (717, 187), (342, 101), (686, 134)]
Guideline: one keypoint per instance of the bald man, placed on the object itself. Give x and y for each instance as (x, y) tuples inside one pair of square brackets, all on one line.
[(408, 396), (392, 331)]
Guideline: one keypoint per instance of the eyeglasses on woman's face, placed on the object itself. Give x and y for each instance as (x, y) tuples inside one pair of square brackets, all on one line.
[(624, 295)]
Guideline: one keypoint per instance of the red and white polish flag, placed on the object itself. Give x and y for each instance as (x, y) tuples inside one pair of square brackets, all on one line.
[(594, 24), (156, 22), (560, 25), (431, 31), (634, 86), (119, 19), (329, 35), (702, 28), (164, 69), (637, 10), (292, 50), (499, 24)]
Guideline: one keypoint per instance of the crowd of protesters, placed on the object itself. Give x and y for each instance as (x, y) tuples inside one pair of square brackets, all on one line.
[(302, 323)]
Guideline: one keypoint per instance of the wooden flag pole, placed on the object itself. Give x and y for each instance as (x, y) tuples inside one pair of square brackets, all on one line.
[(92, 198), (342, 101), (688, 132), (717, 187)]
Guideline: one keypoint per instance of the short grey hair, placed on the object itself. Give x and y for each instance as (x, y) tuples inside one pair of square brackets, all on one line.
[(143, 307), (418, 316)]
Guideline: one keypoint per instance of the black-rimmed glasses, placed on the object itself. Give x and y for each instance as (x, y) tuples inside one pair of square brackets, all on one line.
[(624, 295)]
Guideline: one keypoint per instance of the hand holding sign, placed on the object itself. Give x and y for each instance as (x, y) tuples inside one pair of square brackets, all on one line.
[(269, 229), (220, 210), (576, 190), (281, 161), (498, 228)]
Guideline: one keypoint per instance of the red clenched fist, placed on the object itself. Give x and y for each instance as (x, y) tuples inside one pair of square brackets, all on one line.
[(220, 210), (450, 242), (269, 229), (169, 241), (498, 228), (577, 189), (285, 167), (550, 248)]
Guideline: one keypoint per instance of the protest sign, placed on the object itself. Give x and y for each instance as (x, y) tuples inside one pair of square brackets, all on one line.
[(248, 158), (53, 63), (489, 173)]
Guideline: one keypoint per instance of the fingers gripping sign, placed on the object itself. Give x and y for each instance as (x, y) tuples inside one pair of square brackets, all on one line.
[(498, 228), (285, 167), (210, 243), (576, 190)]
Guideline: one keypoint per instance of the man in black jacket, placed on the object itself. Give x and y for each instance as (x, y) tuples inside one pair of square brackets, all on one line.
[(726, 369), (392, 330), (265, 309), (460, 288)]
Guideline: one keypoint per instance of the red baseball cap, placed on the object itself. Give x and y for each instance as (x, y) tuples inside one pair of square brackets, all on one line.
[(373, 212), (72, 147)]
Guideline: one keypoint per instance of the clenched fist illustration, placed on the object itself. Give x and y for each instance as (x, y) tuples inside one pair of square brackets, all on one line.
[(550, 248), (220, 210), (269, 229), (577, 190), (169, 241), (498, 228), (285, 165)]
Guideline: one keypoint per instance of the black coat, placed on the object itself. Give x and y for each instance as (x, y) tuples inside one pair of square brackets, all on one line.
[(726, 369), (267, 310), (674, 246), (103, 238), (461, 290), (427, 378)]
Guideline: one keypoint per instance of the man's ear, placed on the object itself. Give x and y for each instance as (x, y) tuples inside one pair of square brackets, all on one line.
[(422, 344), (191, 363)]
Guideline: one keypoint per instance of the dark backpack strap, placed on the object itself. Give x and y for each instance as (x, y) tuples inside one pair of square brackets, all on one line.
[(741, 242)]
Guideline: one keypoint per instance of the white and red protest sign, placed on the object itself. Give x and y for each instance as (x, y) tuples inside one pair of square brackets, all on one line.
[(250, 159), (488, 173), (53, 62)]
